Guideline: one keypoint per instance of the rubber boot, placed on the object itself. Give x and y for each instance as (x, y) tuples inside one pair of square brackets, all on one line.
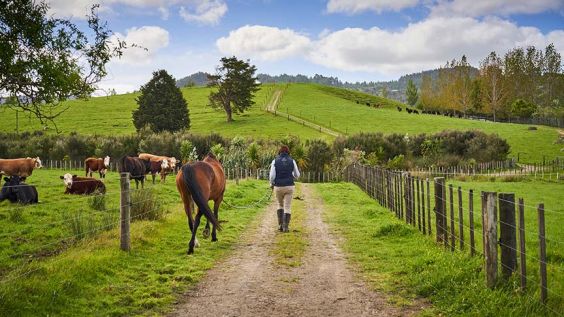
[(280, 219), (287, 218)]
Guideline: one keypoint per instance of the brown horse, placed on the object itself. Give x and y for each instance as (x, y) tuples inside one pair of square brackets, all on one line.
[(201, 182)]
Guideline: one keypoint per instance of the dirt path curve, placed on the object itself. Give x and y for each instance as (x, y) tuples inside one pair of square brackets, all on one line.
[(272, 107), (249, 283)]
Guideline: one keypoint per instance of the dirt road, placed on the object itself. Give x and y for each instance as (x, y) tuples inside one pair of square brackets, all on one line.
[(249, 283)]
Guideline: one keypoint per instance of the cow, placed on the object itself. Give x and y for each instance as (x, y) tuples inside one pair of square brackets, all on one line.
[(172, 162), (399, 108), (415, 111), (93, 164), (16, 191), (160, 167), (408, 110), (82, 185), (136, 167), (22, 167)]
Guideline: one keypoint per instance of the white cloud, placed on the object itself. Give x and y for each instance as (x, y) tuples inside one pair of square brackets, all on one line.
[(357, 6), (476, 8), (204, 12), (150, 40), (425, 44), (200, 11), (264, 42)]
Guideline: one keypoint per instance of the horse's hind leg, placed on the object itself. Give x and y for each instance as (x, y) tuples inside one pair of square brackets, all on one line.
[(216, 204), (193, 240)]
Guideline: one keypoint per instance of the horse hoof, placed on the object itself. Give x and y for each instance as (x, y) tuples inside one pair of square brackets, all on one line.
[(214, 239), (206, 233)]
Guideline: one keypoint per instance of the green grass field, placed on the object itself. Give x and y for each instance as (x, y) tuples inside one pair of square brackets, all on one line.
[(330, 107), (314, 103), (113, 116), (394, 257), (47, 271)]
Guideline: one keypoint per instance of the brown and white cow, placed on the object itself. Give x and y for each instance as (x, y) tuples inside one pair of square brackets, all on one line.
[(82, 185), (172, 161), (93, 164), (22, 167), (160, 167)]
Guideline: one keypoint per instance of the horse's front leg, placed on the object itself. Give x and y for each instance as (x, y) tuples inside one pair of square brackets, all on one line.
[(193, 241)]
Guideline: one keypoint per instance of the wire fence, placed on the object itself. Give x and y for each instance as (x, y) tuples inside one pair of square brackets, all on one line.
[(462, 221)]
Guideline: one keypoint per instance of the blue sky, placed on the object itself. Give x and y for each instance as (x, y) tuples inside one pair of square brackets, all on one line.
[(352, 39)]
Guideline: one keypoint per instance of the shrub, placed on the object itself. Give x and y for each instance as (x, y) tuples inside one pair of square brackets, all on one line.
[(97, 202), (145, 205), (318, 155)]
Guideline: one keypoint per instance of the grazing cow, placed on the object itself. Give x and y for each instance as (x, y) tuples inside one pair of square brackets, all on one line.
[(93, 164), (399, 108), (22, 167), (16, 191), (408, 110), (136, 167), (415, 111), (160, 167), (82, 185), (172, 162)]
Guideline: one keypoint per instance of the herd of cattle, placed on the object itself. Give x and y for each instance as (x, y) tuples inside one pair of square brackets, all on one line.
[(447, 113), (16, 171)]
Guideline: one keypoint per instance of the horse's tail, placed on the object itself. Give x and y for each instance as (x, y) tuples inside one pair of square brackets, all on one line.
[(192, 184)]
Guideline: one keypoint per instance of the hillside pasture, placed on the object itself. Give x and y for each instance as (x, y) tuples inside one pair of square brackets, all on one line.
[(113, 116), (313, 103)]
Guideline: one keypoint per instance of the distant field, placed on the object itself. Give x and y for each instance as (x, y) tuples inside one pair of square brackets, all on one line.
[(313, 103), (330, 107), (112, 116)]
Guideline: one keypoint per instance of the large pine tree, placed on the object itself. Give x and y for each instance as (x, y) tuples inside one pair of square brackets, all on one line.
[(161, 105)]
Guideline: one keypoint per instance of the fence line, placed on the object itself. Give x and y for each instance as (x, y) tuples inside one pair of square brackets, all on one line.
[(391, 188)]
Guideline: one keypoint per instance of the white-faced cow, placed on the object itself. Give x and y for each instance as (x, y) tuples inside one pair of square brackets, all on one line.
[(16, 191), (94, 164), (22, 167), (82, 185), (172, 161)]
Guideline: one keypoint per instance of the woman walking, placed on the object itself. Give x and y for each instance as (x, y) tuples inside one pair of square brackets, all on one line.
[(283, 171)]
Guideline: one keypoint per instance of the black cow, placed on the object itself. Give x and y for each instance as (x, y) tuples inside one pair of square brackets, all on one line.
[(136, 167), (399, 108), (18, 192)]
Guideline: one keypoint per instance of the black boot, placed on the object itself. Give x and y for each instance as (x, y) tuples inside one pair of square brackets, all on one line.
[(280, 219), (287, 218)]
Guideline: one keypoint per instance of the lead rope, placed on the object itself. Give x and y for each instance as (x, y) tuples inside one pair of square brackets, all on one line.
[(254, 204)]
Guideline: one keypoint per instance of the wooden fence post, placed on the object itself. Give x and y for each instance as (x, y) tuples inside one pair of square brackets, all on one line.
[(412, 197), (489, 216), (125, 202), (428, 207), (460, 219), (407, 192), (440, 210), (522, 257), (452, 234), (418, 195), (471, 221), (423, 206), (508, 241), (542, 254)]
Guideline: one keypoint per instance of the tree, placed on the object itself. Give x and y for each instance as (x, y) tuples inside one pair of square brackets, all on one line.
[(523, 109), (384, 91), (462, 85), (411, 92), (46, 60), (491, 70), (236, 86), (476, 95), (161, 105)]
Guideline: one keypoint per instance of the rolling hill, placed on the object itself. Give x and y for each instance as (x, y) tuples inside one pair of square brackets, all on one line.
[(341, 110)]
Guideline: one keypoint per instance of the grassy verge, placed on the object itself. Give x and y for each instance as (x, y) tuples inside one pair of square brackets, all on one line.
[(289, 248), (395, 258), (95, 278)]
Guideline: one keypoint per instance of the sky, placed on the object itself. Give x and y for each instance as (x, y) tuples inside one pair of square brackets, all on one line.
[(355, 40)]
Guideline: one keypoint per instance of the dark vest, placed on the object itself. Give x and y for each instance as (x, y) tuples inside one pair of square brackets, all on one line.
[(284, 166)]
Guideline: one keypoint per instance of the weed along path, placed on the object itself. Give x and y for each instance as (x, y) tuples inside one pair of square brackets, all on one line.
[(252, 282)]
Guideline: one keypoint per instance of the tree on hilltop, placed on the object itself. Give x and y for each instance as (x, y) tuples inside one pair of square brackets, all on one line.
[(236, 83), (161, 105)]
